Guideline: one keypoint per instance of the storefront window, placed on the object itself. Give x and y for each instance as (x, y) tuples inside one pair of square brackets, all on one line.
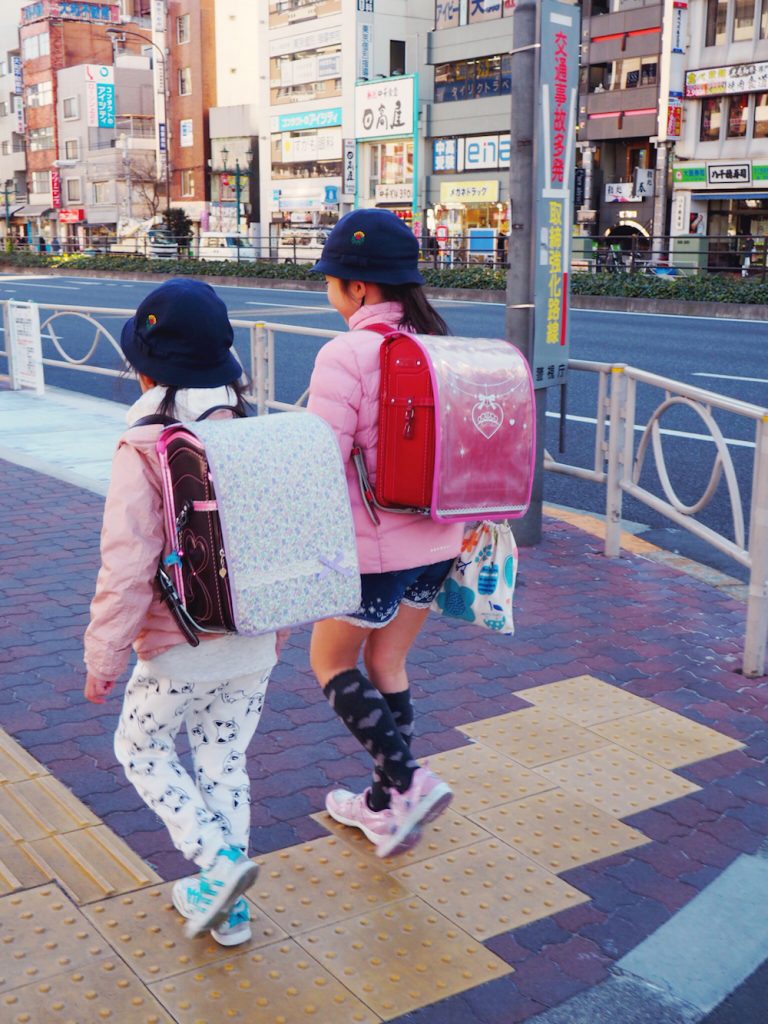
[(710, 119), (743, 20), (450, 13), (738, 109), (390, 163), (761, 116), (471, 79), (717, 13)]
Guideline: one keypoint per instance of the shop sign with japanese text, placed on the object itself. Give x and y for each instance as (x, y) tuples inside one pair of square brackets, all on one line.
[(750, 77), (328, 118), (729, 174), (384, 108), (71, 10), (350, 167), (471, 153), (100, 95), (55, 188), (559, 29), (394, 193), (469, 191)]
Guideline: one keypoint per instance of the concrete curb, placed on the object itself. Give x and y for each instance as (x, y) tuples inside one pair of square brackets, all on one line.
[(669, 307)]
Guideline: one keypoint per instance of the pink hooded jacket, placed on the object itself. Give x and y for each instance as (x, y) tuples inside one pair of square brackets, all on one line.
[(344, 391)]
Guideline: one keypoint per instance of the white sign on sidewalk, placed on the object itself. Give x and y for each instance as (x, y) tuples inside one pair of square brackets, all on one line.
[(25, 349)]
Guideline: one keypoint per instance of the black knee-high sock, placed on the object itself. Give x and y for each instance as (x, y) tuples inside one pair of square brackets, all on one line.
[(366, 714), (401, 706)]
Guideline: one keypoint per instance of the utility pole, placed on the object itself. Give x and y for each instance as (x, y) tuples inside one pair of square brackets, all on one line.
[(8, 184), (519, 317)]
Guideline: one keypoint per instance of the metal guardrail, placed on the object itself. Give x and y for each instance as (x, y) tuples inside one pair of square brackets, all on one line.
[(617, 462)]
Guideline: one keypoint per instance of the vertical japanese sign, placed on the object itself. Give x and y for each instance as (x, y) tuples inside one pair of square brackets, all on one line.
[(25, 351), (349, 182), (672, 69), (559, 32), (100, 95)]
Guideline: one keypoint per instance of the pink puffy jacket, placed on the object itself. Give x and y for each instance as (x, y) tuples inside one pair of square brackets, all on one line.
[(344, 391)]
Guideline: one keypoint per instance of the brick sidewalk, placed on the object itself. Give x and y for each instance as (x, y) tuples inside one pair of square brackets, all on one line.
[(636, 624)]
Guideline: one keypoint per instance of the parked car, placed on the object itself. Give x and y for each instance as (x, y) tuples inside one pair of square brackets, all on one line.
[(218, 245)]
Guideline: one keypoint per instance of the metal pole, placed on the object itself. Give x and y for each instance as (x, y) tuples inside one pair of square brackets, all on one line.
[(7, 219), (756, 638), (237, 198), (519, 318)]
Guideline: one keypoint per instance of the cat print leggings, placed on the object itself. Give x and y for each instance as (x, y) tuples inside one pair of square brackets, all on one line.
[(212, 810)]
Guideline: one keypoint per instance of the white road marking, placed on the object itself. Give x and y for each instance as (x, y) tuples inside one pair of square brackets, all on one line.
[(60, 287), (726, 376), (736, 442), (290, 305)]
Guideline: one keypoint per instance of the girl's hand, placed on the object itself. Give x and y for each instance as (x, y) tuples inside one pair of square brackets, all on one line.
[(96, 689)]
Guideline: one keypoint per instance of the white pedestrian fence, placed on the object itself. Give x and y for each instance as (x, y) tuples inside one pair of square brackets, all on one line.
[(623, 448)]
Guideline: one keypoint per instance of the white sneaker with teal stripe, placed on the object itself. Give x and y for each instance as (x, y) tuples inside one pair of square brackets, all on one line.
[(208, 903), (232, 932)]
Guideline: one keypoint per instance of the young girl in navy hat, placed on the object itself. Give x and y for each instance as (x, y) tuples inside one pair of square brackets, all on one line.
[(370, 262), (179, 343)]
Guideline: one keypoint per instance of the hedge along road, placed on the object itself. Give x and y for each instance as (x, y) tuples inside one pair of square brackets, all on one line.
[(725, 356)]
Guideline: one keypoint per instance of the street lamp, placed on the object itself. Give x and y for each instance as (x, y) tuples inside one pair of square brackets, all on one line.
[(239, 173), (118, 35)]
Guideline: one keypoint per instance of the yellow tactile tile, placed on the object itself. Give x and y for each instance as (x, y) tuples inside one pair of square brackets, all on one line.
[(667, 738), (558, 830), (317, 883), (278, 984), (617, 781), (42, 933), (40, 807), (448, 832), (92, 863), (102, 993), (533, 736), (585, 700), (489, 888), (20, 869), (402, 957), (15, 763), (147, 932), (481, 777)]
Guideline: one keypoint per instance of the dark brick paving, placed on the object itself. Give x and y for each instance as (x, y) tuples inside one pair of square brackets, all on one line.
[(632, 622)]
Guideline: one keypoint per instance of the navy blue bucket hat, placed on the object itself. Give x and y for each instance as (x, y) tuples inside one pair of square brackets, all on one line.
[(181, 337), (371, 245)]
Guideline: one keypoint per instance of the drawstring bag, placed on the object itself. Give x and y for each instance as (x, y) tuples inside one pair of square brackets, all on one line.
[(480, 586)]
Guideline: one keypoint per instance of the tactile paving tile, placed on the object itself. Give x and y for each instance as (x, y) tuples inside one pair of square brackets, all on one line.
[(533, 736), (42, 933), (278, 984), (448, 832), (481, 777), (102, 993), (585, 700), (489, 888), (558, 830), (40, 807), (402, 957), (667, 738), (147, 932), (20, 869), (92, 863), (617, 781), (320, 882), (15, 763)]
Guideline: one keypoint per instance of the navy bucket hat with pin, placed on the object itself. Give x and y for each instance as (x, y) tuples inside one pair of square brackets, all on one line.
[(371, 245), (181, 337)]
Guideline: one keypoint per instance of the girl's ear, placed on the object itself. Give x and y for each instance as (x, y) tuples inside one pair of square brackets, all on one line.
[(146, 383)]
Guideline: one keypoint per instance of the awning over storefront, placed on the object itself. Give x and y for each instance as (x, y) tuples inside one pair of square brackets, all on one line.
[(33, 211), (746, 194)]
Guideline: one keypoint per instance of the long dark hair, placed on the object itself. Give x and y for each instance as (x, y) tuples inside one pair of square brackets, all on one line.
[(419, 315), (241, 405)]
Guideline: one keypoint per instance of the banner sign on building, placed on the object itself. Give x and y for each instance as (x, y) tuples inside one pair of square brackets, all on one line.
[(469, 192), (679, 25), (55, 188), (18, 84), (25, 348), (364, 49), (349, 182), (674, 115), (329, 118), (471, 153), (72, 10), (752, 77), (394, 194), (100, 95), (559, 35), (384, 108)]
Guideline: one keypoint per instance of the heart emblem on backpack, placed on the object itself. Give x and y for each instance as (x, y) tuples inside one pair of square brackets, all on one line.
[(487, 416)]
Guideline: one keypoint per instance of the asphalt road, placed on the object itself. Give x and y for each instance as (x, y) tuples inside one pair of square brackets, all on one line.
[(725, 356)]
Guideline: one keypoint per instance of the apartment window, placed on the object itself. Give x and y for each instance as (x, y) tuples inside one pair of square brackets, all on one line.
[(738, 110), (763, 17), (761, 116), (182, 29), (717, 15), (40, 94), (3, 108), (397, 56), (40, 138), (5, 148), (187, 183), (72, 149), (40, 181), (185, 81), (72, 190), (710, 119), (35, 46), (3, 67), (743, 20), (70, 109), (101, 192)]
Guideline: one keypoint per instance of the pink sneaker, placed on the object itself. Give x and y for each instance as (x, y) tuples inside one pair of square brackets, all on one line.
[(378, 826), (426, 798)]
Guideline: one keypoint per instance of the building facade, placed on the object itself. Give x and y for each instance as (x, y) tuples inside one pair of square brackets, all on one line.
[(13, 178)]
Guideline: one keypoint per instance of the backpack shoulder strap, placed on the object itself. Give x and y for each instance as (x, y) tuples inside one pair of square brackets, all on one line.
[(380, 328), (154, 420), (219, 408)]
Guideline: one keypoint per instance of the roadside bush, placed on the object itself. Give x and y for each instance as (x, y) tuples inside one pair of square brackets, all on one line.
[(697, 288)]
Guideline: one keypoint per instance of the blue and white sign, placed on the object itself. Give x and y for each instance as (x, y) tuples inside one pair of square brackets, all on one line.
[(331, 195), (445, 155), (329, 118), (100, 95)]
